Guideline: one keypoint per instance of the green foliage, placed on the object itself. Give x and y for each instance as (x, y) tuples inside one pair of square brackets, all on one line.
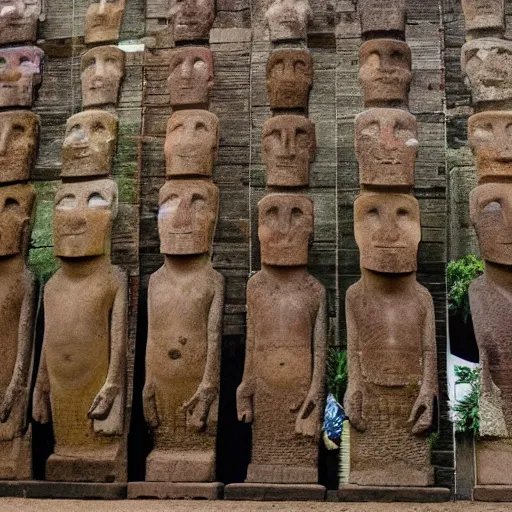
[(337, 373), (432, 440), (459, 275), (467, 418)]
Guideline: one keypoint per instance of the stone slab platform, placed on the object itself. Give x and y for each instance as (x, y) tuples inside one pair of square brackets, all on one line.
[(176, 490), (275, 492), (62, 490), (351, 492), (492, 493)]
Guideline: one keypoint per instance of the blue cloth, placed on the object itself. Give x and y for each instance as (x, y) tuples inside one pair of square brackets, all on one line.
[(333, 418)]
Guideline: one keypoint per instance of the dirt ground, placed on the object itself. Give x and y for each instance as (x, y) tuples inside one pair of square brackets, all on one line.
[(19, 505)]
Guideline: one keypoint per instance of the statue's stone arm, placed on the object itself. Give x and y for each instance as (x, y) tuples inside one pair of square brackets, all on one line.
[(41, 406), (208, 390)]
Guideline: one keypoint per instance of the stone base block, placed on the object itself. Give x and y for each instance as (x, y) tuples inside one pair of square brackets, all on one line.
[(275, 492), (352, 492), (492, 493), (180, 466), (176, 490), (270, 473), (62, 490)]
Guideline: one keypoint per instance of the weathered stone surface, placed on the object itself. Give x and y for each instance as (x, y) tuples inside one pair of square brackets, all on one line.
[(385, 73), (289, 79), (386, 144), (63, 490), (19, 132), (102, 74), (191, 144), (484, 17), (383, 16), (386, 494), (190, 77), (288, 149), (89, 145), (275, 492), (492, 493), (175, 490), (192, 19), (18, 20), (103, 20), (20, 74), (288, 19)]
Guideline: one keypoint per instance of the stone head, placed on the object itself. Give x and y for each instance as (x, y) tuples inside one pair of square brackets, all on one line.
[(383, 16), (288, 148), (190, 77), (385, 72), (20, 74), (490, 208), (90, 144), (19, 131), (285, 229), (289, 78), (18, 20), (487, 69), (386, 144), (484, 15), (187, 216), (16, 205), (387, 231), (288, 19), (103, 20), (191, 143), (102, 73), (192, 19), (82, 218)]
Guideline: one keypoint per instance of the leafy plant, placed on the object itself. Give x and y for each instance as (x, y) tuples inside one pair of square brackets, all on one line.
[(459, 275), (467, 418), (337, 373), (433, 439)]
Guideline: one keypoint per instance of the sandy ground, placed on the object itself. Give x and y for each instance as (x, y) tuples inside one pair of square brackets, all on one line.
[(19, 505)]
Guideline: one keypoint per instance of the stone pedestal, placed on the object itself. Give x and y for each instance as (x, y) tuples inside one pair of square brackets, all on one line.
[(367, 493), (176, 490), (275, 492), (62, 490)]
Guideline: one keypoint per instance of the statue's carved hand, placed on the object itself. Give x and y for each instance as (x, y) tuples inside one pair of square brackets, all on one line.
[(422, 412), (103, 402), (353, 403), (41, 408), (307, 423), (199, 405), (244, 394), (13, 394), (149, 405)]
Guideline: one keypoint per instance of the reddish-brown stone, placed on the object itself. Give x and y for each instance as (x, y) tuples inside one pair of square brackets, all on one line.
[(192, 143), (274, 492), (289, 78), (389, 494), (484, 16), (383, 16), (288, 148), (386, 144), (102, 74), (103, 20), (18, 144), (385, 73), (18, 20), (192, 19), (288, 19), (89, 145), (175, 490)]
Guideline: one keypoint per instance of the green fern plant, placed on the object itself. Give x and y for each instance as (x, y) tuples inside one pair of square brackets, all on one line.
[(467, 417), (337, 373)]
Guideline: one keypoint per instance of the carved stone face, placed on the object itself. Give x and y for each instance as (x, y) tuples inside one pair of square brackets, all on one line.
[(18, 20), (103, 20), (383, 15), (191, 143), (20, 73), (90, 144), (16, 203), (187, 216), (387, 230), (386, 146), (385, 72), (289, 78), (288, 19), (487, 68), (285, 229), (288, 147), (490, 207), (18, 144), (190, 77), (484, 15), (102, 72), (82, 218), (192, 19)]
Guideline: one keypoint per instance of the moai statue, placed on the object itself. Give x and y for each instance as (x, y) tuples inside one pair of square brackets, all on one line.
[(103, 21), (484, 18), (490, 299), (288, 19), (392, 388), (192, 19), (282, 389), (379, 16), (102, 74), (385, 73), (386, 144), (20, 74), (487, 69), (289, 79), (191, 143), (18, 20), (288, 148), (185, 306), (81, 383), (90, 144), (190, 77)]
